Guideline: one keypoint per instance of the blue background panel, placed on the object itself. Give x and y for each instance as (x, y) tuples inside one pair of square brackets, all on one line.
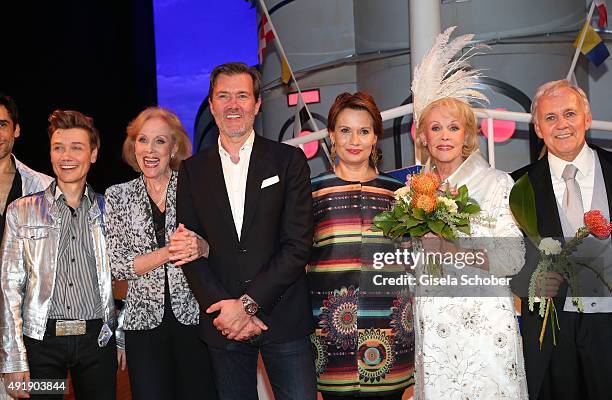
[(191, 38)]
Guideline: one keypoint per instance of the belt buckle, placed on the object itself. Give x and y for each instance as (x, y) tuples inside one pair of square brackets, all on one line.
[(70, 327)]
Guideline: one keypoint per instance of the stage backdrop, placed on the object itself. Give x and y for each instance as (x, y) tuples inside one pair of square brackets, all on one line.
[(191, 38)]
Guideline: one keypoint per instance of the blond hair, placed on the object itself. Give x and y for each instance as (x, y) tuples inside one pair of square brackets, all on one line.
[(458, 109), (179, 136)]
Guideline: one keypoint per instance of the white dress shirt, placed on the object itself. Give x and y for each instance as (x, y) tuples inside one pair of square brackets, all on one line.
[(235, 175)]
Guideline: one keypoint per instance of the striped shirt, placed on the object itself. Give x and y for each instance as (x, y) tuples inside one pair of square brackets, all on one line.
[(76, 294), (364, 340)]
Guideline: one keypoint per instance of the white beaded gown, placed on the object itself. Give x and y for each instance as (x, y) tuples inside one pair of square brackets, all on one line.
[(470, 347)]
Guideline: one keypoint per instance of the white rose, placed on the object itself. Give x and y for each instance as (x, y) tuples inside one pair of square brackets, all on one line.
[(402, 193), (450, 204), (550, 246)]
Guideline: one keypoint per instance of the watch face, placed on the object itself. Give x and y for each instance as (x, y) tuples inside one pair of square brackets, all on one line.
[(251, 308)]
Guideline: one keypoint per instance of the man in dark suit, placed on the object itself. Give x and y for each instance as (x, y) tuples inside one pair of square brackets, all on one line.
[(571, 179), (250, 198)]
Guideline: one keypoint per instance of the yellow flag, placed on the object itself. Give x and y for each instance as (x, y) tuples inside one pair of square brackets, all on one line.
[(591, 39), (593, 47), (285, 72)]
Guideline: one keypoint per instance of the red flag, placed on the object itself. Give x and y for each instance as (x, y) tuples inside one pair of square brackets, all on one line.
[(266, 35), (603, 13)]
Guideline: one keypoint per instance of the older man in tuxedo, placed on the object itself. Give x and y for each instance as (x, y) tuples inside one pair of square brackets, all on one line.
[(249, 197), (572, 178)]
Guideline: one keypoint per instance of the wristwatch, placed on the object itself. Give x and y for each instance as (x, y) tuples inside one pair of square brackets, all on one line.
[(250, 307)]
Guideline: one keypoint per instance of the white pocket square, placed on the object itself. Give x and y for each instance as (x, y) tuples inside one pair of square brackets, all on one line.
[(269, 181)]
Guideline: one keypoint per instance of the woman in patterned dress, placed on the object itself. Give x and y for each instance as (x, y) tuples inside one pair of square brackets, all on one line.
[(166, 359), (364, 338), (469, 347)]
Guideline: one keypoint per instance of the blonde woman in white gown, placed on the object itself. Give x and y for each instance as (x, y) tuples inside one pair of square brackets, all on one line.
[(470, 347)]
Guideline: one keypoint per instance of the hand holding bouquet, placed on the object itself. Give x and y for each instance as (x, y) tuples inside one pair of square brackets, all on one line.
[(422, 206), (555, 257)]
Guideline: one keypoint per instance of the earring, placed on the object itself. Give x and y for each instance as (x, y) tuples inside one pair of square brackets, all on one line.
[(424, 144), (374, 156), (172, 156), (333, 152)]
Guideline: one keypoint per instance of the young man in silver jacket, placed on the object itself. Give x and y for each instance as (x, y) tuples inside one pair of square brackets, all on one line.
[(56, 303)]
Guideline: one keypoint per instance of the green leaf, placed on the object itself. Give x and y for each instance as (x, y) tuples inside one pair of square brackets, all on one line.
[(397, 213), (385, 215), (462, 222), (448, 236), (410, 222), (463, 194), (384, 222), (436, 226), (464, 228), (398, 231), (418, 213), (471, 209), (523, 206), (447, 233), (419, 230)]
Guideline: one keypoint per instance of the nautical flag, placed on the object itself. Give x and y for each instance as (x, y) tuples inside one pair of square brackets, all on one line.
[(603, 13), (266, 35), (285, 71), (593, 46)]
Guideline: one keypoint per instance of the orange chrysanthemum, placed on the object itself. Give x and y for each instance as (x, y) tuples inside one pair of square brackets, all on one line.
[(597, 224), (426, 202), (425, 183)]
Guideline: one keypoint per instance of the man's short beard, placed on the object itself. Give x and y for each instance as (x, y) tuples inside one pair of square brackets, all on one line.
[(237, 134)]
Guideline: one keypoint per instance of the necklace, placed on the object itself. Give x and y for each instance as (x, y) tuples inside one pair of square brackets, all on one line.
[(157, 196)]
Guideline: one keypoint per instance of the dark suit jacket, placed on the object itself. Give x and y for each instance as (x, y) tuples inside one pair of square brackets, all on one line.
[(268, 262), (549, 225)]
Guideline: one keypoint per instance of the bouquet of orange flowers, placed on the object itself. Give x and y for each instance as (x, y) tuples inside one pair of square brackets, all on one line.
[(422, 206)]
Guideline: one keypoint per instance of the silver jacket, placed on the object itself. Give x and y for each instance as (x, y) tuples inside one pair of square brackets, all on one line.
[(27, 277), (31, 181)]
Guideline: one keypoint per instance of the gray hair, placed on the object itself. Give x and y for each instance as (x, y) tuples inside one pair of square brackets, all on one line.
[(549, 88)]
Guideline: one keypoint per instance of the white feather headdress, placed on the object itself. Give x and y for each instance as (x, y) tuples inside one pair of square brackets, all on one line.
[(438, 75)]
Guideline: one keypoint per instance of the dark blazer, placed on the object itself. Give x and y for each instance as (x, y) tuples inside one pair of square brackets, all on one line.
[(549, 225), (268, 262)]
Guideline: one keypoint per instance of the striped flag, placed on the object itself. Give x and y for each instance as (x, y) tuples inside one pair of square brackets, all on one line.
[(266, 35), (603, 13)]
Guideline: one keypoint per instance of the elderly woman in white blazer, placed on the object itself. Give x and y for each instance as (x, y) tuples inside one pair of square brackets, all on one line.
[(165, 356)]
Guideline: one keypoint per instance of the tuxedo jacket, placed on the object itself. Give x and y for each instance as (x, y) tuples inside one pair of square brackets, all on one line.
[(268, 262), (549, 225)]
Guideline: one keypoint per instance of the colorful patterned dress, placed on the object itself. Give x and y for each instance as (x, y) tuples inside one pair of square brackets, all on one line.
[(364, 341)]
